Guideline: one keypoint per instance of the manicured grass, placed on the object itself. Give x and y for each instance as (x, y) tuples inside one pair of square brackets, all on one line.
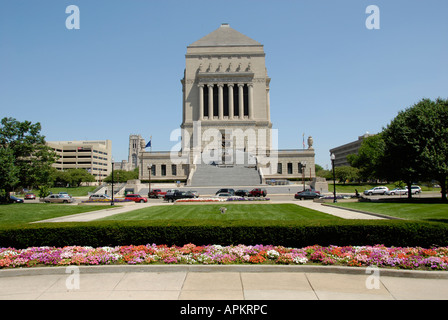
[(350, 187), (437, 212), (22, 213), (234, 212)]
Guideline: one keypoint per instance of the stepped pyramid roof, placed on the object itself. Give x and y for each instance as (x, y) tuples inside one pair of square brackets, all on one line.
[(225, 36)]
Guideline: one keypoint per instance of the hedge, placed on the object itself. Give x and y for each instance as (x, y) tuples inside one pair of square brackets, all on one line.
[(286, 233)]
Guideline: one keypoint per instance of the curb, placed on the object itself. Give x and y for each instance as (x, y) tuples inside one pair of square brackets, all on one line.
[(225, 268)]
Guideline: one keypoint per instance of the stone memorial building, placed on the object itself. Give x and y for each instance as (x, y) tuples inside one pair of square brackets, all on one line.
[(226, 135)]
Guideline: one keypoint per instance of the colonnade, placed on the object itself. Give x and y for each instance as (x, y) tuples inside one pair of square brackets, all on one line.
[(226, 101)]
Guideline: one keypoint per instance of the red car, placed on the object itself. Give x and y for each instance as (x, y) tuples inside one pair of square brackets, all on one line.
[(257, 192), (30, 196), (136, 198)]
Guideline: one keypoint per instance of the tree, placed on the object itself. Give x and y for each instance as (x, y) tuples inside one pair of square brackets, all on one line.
[(345, 173), (8, 172), (73, 177), (25, 156), (416, 144), (369, 158), (122, 176)]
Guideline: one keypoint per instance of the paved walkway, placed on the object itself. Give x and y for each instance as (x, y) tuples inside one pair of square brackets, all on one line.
[(179, 282)]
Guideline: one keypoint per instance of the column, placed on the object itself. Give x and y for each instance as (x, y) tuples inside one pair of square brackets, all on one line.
[(251, 101), (241, 100), (220, 101), (201, 102), (210, 101), (230, 86)]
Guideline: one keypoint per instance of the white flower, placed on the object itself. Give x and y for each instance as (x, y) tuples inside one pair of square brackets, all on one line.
[(272, 254), (300, 259)]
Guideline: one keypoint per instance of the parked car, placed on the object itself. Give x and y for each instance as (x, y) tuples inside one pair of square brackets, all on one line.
[(176, 195), (30, 196), (306, 195), (12, 199), (376, 190), (242, 193), (58, 198), (257, 192), (156, 193), (226, 190), (415, 189), (195, 194), (224, 194), (135, 198), (99, 197), (396, 191)]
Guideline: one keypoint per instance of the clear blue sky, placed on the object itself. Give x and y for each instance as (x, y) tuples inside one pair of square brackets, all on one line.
[(119, 74)]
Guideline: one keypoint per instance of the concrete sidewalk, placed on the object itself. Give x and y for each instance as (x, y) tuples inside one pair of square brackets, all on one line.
[(179, 282)]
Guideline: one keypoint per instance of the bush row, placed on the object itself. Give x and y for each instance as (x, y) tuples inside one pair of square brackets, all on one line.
[(290, 234)]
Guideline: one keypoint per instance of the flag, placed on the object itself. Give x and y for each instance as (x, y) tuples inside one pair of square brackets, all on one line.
[(303, 140), (148, 145)]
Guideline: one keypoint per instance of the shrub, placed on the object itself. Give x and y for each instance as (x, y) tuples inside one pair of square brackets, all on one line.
[(285, 233)]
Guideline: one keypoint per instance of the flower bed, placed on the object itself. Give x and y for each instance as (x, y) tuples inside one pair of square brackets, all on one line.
[(107, 200), (415, 258), (217, 199)]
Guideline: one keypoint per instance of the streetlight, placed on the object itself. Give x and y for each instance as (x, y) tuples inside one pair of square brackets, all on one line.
[(112, 202), (332, 157), (149, 179)]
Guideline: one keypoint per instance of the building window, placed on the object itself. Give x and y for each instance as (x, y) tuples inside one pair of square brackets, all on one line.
[(163, 170), (225, 97), (289, 168), (215, 101), (205, 111), (174, 170), (246, 100), (153, 170), (236, 111), (279, 168)]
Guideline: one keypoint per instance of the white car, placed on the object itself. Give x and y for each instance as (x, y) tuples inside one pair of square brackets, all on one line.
[(99, 197), (376, 190), (58, 198), (397, 191), (415, 189)]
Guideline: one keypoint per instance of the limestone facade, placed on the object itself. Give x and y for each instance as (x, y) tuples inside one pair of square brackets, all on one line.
[(226, 114)]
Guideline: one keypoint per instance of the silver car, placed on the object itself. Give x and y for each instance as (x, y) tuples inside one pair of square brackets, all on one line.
[(396, 191), (58, 198), (376, 190)]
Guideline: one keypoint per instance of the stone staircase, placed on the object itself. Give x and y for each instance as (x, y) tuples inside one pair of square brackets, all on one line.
[(225, 175)]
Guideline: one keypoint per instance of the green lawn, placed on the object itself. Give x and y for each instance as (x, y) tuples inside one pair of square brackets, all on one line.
[(350, 187), (234, 212), (22, 213), (416, 211)]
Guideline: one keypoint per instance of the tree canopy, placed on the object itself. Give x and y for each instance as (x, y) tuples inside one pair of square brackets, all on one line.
[(25, 159), (413, 147), (416, 144)]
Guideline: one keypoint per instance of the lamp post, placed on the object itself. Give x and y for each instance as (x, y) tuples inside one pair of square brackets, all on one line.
[(332, 157), (112, 201), (149, 179)]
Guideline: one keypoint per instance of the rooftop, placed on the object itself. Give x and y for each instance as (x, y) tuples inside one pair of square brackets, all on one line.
[(225, 36)]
